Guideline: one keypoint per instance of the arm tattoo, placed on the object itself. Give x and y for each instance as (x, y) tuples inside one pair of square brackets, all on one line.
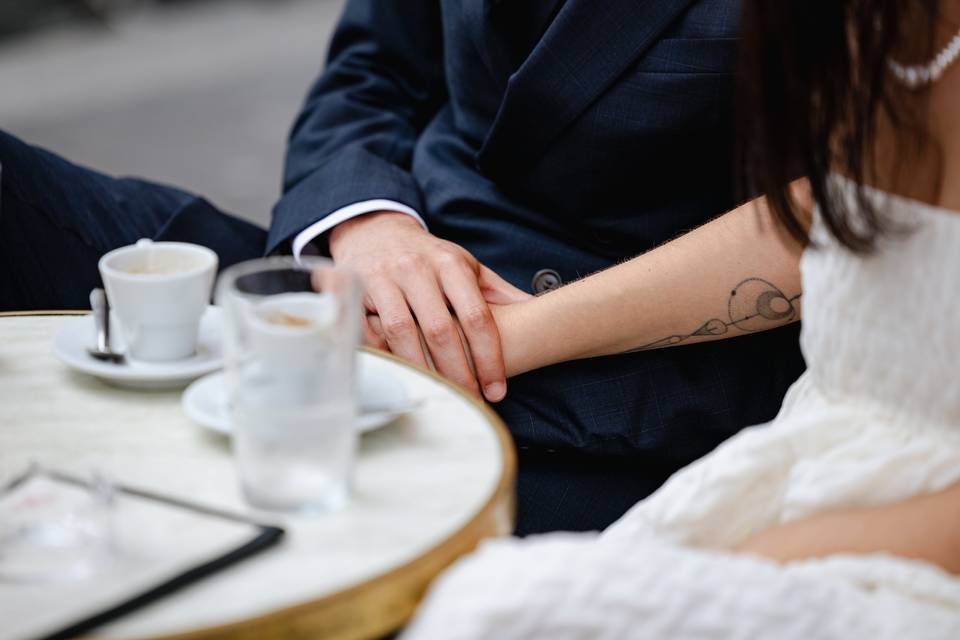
[(753, 305)]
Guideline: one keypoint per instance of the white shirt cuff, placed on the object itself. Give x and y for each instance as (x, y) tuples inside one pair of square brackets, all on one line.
[(320, 227)]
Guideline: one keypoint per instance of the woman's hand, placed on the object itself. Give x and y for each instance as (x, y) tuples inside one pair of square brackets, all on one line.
[(422, 288), (509, 320)]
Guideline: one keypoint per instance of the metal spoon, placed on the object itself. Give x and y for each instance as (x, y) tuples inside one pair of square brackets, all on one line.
[(375, 409), (101, 318)]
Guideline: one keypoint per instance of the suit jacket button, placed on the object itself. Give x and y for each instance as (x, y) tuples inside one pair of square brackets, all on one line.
[(545, 280)]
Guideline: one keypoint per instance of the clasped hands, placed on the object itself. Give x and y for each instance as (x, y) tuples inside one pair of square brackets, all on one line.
[(427, 300)]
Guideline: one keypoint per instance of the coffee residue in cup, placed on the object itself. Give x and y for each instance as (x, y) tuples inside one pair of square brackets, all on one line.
[(286, 319), (160, 267)]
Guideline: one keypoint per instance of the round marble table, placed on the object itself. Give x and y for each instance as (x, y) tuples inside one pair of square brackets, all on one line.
[(428, 488)]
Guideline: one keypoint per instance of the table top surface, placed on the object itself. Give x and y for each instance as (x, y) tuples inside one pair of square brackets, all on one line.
[(426, 489)]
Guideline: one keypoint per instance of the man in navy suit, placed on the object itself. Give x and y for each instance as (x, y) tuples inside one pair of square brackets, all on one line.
[(462, 152)]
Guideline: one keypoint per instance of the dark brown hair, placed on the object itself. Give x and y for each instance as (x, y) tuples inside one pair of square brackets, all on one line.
[(814, 83)]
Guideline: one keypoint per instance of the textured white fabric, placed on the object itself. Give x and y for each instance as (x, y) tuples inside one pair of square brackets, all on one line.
[(875, 419), (317, 229)]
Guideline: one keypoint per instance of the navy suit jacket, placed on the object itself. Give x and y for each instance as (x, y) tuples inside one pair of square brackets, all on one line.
[(585, 136)]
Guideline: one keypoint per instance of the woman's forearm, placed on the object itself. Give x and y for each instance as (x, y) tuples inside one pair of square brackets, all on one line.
[(923, 528), (737, 274)]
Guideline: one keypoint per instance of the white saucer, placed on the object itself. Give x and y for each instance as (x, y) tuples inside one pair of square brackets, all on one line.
[(383, 398), (77, 334)]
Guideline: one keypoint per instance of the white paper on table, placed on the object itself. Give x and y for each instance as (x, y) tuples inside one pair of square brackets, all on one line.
[(154, 542)]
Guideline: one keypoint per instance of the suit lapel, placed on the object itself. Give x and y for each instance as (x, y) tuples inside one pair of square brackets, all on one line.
[(505, 26), (515, 27), (590, 44)]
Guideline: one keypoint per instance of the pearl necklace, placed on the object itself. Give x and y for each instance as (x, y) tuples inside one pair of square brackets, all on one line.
[(921, 75)]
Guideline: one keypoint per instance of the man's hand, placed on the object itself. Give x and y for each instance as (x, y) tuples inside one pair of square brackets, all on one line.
[(413, 281)]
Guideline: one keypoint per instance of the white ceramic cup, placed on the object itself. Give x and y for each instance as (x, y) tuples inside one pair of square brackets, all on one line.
[(159, 291)]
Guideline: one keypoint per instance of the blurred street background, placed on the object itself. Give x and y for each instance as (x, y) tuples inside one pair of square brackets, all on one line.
[(197, 93)]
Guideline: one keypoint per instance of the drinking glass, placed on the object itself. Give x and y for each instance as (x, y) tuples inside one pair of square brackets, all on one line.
[(292, 328), (54, 530)]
